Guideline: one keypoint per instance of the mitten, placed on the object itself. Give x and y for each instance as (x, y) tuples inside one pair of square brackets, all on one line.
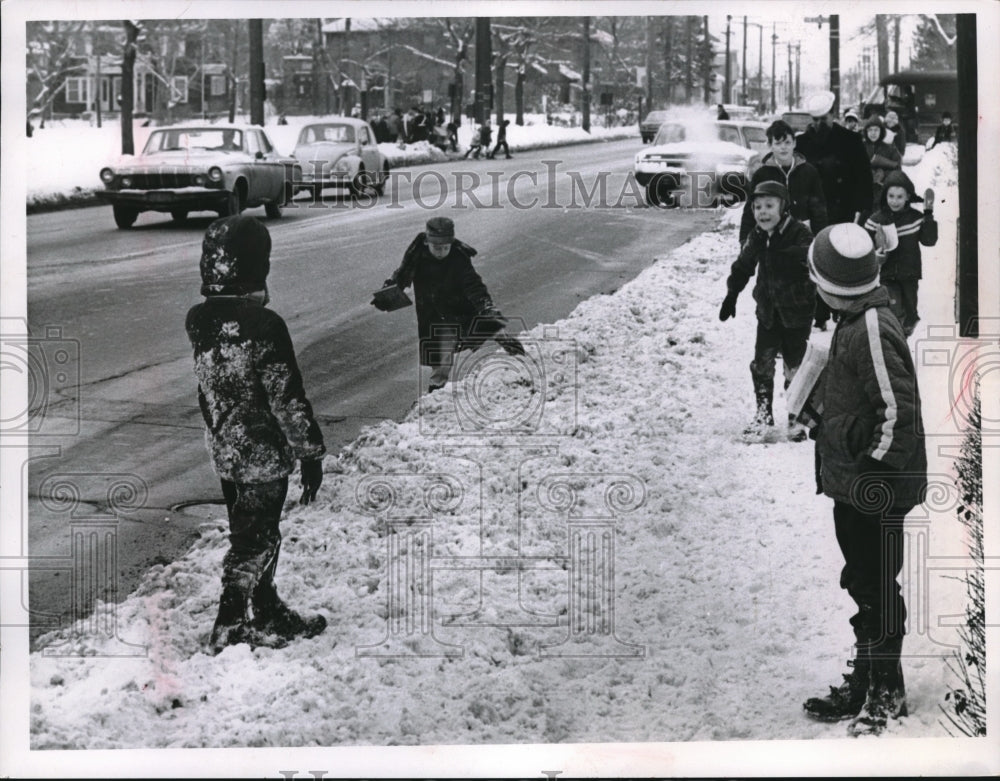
[(728, 306), (312, 478), (929, 200)]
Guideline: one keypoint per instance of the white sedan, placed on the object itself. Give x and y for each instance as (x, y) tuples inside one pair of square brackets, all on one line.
[(341, 152)]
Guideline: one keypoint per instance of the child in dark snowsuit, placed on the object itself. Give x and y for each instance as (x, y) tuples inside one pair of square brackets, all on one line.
[(902, 270), (775, 248), (259, 423), (454, 309), (872, 461), (501, 140), (882, 156)]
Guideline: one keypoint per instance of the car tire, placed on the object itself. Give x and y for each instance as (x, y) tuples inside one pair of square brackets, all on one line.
[(317, 193), (179, 215), (232, 206), (658, 192), (125, 217), (357, 186), (380, 187)]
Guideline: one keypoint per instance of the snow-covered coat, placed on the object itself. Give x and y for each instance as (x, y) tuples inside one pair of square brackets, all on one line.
[(912, 228), (871, 415), (259, 422), (804, 187), (449, 295), (783, 286), (838, 154)]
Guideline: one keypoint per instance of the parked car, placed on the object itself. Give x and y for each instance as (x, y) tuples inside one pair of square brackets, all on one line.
[(652, 122), (341, 152), (220, 168), (709, 162)]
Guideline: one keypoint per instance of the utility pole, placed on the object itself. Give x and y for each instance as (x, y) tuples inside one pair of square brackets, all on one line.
[(727, 93), (895, 48), (835, 62), (482, 104), (586, 74), (743, 97), (649, 61), (760, 64), (791, 89), (967, 305), (256, 29), (774, 73)]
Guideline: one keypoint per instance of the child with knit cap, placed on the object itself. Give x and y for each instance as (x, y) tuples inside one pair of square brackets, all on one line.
[(872, 462), (259, 423), (911, 229), (775, 249)]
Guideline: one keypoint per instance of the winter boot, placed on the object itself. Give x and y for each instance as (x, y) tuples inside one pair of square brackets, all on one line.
[(273, 616), (844, 701), (886, 698), (231, 625), (763, 388)]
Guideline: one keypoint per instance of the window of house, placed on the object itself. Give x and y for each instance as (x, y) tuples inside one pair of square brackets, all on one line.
[(218, 85), (179, 89), (76, 90)]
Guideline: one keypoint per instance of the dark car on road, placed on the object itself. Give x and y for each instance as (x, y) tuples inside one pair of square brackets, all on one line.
[(652, 122)]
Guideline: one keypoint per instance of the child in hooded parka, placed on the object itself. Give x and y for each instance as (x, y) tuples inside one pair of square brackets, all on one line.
[(258, 424), (883, 156), (902, 271)]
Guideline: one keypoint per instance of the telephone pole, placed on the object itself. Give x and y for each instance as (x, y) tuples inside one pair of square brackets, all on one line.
[(743, 97), (256, 28), (482, 104), (774, 73), (727, 92)]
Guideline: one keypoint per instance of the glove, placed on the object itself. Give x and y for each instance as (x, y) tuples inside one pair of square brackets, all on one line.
[(510, 344), (312, 478), (728, 306), (929, 200)]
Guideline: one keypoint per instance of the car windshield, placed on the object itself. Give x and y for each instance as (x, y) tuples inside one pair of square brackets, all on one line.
[(313, 133), (670, 133), (756, 138), (173, 139)]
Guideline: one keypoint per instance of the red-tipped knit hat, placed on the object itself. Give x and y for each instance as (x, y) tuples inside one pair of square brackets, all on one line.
[(842, 260)]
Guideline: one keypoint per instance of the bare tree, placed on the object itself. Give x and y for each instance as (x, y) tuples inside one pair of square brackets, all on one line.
[(51, 58), (132, 31)]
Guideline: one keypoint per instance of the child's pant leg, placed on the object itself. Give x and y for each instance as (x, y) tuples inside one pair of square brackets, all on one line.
[(254, 518), (765, 350), (793, 349), (872, 545)]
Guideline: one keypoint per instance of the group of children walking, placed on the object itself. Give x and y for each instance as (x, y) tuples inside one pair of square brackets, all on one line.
[(866, 417)]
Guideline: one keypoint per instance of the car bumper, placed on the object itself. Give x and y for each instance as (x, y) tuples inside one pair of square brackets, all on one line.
[(309, 179), (190, 198)]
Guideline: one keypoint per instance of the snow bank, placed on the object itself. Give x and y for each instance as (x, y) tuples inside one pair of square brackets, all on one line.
[(721, 611), (75, 151)]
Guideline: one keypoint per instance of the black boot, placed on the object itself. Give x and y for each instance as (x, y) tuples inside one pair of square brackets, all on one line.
[(886, 696), (272, 616), (763, 419), (844, 701), (241, 572)]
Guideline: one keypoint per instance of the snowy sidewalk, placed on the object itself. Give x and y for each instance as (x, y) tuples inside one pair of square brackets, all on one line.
[(628, 477)]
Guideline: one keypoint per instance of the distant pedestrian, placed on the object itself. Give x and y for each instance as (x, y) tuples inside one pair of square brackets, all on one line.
[(851, 120), (394, 125), (721, 112), (783, 164), (454, 308), (776, 250), (945, 132), (839, 157), (872, 461), (895, 133), (902, 270), (501, 140), (882, 156), (452, 131), (259, 423)]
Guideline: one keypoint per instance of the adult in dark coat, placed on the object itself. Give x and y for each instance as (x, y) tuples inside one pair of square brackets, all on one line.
[(259, 423), (839, 157), (454, 307), (782, 164), (945, 131)]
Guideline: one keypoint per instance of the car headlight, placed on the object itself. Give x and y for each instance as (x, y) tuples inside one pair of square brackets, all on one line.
[(341, 166), (126, 181), (107, 175), (199, 179), (215, 173)]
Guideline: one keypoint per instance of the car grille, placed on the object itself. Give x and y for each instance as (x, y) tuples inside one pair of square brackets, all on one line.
[(159, 180), (678, 161)]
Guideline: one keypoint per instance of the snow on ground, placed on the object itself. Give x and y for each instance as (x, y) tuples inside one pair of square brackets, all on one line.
[(723, 563), (75, 151)]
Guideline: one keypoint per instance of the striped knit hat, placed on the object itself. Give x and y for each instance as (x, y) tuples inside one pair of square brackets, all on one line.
[(842, 260)]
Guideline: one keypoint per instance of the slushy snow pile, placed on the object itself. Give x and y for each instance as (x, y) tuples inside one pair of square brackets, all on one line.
[(610, 455)]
